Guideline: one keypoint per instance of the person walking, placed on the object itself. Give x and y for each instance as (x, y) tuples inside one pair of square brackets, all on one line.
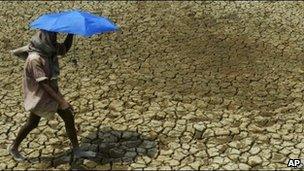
[(42, 97)]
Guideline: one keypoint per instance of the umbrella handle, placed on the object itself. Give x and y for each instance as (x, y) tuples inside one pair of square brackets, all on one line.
[(74, 47), (74, 58)]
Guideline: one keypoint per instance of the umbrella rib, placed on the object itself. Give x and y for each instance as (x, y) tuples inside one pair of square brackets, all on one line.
[(85, 26), (56, 21)]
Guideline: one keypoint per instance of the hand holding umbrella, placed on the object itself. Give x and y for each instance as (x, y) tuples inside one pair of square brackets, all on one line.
[(74, 22)]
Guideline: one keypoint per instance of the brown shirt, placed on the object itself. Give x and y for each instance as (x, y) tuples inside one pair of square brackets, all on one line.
[(38, 68)]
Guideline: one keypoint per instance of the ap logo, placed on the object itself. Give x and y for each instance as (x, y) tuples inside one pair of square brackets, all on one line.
[(294, 163)]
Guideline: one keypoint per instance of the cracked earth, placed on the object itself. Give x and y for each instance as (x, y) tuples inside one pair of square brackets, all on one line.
[(184, 85)]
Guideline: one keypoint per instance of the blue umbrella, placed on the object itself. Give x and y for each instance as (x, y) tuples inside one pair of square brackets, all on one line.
[(74, 22)]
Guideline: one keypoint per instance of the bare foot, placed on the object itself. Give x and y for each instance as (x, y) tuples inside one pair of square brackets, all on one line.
[(79, 153), (16, 154)]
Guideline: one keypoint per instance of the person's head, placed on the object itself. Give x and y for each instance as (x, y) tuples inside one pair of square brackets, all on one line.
[(49, 36), (44, 42), (53, 37)]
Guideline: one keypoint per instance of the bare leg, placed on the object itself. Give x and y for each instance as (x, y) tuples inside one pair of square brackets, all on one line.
[(68, 118), (31, 123)]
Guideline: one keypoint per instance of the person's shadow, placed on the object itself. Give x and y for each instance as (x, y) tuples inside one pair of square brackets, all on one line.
[(110, 146)]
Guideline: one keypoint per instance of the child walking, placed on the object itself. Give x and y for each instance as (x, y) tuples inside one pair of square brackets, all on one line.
[(42, 97)]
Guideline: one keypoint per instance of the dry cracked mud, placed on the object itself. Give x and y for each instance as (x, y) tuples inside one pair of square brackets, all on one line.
[(183, 85)]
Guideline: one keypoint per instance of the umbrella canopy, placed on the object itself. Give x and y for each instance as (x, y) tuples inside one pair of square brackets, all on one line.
[(74, 22)]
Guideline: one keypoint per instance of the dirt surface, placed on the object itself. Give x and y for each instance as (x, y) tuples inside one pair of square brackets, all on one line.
[(184, 85)]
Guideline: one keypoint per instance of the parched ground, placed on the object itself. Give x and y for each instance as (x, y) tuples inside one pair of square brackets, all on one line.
[(184, 85)]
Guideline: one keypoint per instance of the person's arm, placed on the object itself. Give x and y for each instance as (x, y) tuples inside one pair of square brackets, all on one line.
[(68, 42), (61, 95), (55, 95), (63, 48)]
